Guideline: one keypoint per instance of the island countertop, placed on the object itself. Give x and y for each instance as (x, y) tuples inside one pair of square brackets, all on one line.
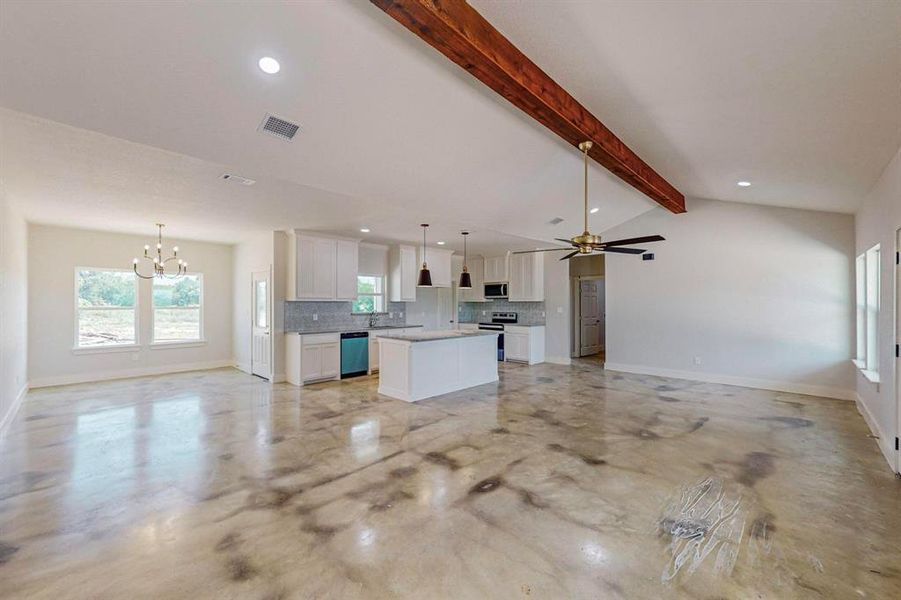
[(432, 336)]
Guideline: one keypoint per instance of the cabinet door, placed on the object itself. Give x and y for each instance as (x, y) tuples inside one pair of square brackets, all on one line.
[(305, 267), (324, 268), (409, 271), (347, 259), (514, 289), (516, 346), (311, 363), (373, 353), (331, 360)]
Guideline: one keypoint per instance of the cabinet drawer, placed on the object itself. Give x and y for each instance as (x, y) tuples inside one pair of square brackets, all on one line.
[(320, 338)]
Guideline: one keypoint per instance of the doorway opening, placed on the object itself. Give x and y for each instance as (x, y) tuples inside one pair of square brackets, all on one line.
[(588, 321), (261, 325)]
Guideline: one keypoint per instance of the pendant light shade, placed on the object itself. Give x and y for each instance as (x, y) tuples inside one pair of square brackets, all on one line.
[(465, 278), (425, 277)]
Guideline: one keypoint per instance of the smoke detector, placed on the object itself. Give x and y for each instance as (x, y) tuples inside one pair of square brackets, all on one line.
[(231, 177), (555, 221), (280, 128)]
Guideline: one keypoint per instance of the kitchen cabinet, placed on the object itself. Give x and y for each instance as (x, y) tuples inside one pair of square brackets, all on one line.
[(313, 357), (526, 277), (347, 266), (325, 268), (524, 344), (402, 274), (476, 268), (439, 261), (497, 269)]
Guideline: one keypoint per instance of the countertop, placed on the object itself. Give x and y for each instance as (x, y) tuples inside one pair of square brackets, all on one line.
[(350, 329), (507, 324), (432, 336)]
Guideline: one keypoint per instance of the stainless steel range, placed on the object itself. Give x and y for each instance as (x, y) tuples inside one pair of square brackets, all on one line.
[(498, 320)]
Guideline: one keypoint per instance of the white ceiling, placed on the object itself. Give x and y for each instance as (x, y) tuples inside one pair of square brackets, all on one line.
[(149, 103)]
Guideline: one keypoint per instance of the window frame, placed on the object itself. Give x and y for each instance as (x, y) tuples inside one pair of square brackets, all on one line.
[(200, 341), (868, 295), (383, 294), (126, 347)]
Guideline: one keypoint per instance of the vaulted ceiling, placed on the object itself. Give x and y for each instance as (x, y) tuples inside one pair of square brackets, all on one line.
[(121, 114)]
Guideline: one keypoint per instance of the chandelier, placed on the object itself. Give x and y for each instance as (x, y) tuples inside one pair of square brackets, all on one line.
[(159, 263)]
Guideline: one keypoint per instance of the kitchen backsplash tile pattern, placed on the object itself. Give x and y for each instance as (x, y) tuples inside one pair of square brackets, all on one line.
[(530, 313), (331, 316)]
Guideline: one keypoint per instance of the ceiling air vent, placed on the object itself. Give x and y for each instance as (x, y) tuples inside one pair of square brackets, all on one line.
[(280, 128), (232, 178), (555, 221)]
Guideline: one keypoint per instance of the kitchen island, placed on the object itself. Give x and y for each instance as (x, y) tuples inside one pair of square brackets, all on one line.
[(430, 363)]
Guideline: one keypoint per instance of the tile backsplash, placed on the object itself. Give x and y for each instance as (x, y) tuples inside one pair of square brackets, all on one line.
[(530, 313), (336, 315)]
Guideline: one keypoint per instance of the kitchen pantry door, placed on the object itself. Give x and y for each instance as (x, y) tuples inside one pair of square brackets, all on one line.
[(261, 354)]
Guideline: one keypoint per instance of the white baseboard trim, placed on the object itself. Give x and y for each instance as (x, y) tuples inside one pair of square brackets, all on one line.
[(128, 373), (13, 410), (762, 384), (558, 360), (882, 440), (279, 378)]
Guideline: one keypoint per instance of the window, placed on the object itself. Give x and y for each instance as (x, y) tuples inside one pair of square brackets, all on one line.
[(105, 307), (370, 294), (178, 309), (868, 294)]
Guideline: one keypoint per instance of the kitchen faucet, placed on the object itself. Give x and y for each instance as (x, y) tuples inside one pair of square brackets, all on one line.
[(373, 319)]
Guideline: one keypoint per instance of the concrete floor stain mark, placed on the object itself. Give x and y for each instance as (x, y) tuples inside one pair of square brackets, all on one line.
[(704, 519), (754, 467), (789, 422)]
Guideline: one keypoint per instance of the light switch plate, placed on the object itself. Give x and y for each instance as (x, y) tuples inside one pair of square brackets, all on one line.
[(315, 317)]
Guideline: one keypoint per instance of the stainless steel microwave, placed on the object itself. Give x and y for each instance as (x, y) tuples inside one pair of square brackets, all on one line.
[(495, 290)]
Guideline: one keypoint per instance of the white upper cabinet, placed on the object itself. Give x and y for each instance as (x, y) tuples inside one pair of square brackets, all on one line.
[(402, 274), (526, 277), (497, 269), (325, 268), (439, 261), (348, 257), (476, 267)]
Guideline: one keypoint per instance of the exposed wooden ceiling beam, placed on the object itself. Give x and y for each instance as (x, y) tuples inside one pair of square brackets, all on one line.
[(459, 32)]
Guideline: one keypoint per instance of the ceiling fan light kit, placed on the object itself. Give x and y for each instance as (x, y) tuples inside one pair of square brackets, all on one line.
[(587, 242)]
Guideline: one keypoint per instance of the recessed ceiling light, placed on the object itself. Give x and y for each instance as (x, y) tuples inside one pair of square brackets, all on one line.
[(594, 210), (269, 65), (440, 243), (364, 230), (744, 184)]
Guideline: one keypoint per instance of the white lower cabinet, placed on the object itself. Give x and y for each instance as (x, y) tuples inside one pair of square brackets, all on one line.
[(524, 344), (313, 357)]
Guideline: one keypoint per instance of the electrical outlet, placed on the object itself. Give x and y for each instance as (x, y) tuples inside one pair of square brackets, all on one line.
[(483, 313), (543, 314), (134, 356), (315, 317), (697, 361), (559, 310)]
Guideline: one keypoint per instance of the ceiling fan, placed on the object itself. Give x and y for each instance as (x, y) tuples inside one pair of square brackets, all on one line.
[(586, 242)]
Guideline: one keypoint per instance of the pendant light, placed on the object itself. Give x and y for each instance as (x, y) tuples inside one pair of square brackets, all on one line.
[(425, 277), (465, 279)]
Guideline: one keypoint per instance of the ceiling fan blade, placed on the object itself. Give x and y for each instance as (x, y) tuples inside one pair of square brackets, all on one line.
[(624, 250), (570, 255), (538, 250), (638, 240), (564, 241)]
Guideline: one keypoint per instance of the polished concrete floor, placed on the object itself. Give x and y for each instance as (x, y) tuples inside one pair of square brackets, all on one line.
[(558, 482)]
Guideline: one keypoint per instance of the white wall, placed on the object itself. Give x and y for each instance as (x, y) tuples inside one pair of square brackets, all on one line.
[(557, 305), (761, 295), (53, 255), (13, 310), (876, 222), (253, 254)]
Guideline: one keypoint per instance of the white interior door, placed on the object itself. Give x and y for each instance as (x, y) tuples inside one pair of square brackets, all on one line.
[(261, 354), (602, 314), (589, 318)]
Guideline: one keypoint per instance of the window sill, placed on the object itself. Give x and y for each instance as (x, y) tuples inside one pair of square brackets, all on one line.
[(859, 364), (871, 376), (185, 344), (105, 349)]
